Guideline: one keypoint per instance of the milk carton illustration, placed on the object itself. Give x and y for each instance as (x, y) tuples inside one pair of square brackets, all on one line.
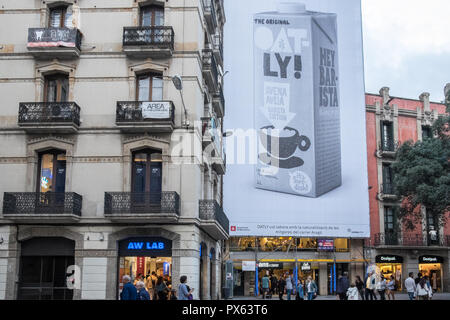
[(297, 103)]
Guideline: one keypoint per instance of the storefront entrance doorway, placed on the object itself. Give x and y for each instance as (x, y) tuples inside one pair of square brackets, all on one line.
[(145, 259), (431, 266)]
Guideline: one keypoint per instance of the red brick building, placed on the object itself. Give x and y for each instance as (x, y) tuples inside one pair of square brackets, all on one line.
[(392, 121)]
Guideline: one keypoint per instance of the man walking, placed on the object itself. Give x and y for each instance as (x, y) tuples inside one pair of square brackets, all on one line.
[(129, 291), (289, 286), (342, 286), (410, 286)]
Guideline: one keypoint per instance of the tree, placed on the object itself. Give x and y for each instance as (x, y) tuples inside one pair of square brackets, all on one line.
[(422, 174)]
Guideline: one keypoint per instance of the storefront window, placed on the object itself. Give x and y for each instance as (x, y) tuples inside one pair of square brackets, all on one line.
[(243, 244), (277, 244), (431, 266), (341, 245), (307, 244)]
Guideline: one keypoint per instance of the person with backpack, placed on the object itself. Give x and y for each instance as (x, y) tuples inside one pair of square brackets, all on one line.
[(265, 285), (184, 292), (311, 288), (370, 286)]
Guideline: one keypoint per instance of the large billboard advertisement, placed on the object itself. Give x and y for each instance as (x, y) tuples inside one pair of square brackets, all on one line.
[(295, 119)]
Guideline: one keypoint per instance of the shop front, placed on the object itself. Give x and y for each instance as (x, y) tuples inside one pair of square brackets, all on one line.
[(145, 259), (44, 271), (390, 265), (431, 266)]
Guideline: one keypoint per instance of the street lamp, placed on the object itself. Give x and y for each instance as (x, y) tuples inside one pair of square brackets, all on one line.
[(178, 83)]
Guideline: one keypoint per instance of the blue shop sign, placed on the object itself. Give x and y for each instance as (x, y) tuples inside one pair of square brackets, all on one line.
[(145, 247)]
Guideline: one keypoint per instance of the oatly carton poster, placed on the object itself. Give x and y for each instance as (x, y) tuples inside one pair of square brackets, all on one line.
[(296, 123), (296, 100)]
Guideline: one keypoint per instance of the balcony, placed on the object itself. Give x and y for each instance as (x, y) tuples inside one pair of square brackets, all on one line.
[(145, 116), (213, 220), (35, 207), (387, 149), (54, 42), (219, 103), (45, 117), (387, 193), (213, 146), (209, 10), (407, 240), (148, 42), (218, 48), (210, 72), (135, 207)]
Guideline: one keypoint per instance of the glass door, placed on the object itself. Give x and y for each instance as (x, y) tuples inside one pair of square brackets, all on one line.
[(153, 16)]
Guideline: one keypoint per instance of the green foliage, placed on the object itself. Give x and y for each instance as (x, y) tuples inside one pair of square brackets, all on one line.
[(422, 175)]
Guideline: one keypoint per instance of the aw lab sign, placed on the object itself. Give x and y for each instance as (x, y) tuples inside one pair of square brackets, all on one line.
[(145, 247)]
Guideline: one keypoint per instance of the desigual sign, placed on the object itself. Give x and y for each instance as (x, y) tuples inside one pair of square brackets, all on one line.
[(430, 259), (389, 259)]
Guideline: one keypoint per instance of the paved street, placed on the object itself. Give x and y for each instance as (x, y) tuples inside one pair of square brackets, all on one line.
[(399, 296)]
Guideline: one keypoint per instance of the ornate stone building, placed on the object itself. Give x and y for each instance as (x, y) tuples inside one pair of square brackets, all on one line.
[(397, 251), (111, 157)]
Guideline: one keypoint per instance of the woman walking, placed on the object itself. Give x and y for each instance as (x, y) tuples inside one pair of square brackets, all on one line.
[(162, 290), (360, 286), (390, 288), (311, 288), (422, 290)]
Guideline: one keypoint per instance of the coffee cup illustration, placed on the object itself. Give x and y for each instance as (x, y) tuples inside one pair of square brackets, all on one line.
[(281, 146)]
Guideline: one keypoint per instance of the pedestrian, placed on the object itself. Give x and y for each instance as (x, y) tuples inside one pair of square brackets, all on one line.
[(289, 286), (390, 288), (129, 291), (184, 292), (422, 290), (281, 287), (410, 286), (300, 295), (352, 292), (419, 277), (273, 284), (153, 279), (360, 286), (265, 285), (142, 293), (370, 286), (311, 288), (342, 286), (173, 294), (429, 287), (381, 288), (162, 291)]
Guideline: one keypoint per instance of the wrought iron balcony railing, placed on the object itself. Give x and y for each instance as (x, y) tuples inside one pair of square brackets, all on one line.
[(155, 36), (142, 111), (388, 146), (118, 203), (35, 203), (211, 210), (219, 103), (407, 240), (54, 37), (209, 9), (210, 66), (49, 113)]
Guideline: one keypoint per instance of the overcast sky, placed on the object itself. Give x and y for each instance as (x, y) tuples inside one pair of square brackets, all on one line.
[(407, 46)]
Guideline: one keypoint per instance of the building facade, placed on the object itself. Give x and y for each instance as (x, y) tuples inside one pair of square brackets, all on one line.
[(397, 251), (111, 157), (324, 260)]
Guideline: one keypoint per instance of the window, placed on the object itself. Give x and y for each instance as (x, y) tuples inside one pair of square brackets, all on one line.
[(432, 229), (56, 88), (61, 17), (147, 172), (427, 132), (149, 87), (388, 179), (387, 136), (52, 172), (390, 225), (152, 16)]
